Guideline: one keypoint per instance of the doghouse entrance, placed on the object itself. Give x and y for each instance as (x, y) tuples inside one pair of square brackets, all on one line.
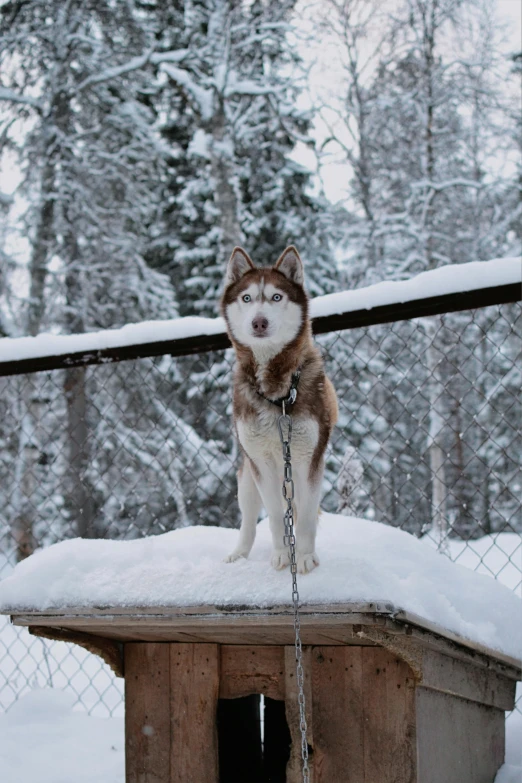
[(253, 740)]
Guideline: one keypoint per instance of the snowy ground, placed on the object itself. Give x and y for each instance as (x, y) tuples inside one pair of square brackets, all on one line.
[(68, 745), (43, 740)]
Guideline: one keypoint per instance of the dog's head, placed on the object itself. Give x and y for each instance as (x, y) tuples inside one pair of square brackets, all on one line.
[(265, 307)]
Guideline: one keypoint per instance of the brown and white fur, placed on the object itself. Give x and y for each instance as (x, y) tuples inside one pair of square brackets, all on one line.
[(266, 312)]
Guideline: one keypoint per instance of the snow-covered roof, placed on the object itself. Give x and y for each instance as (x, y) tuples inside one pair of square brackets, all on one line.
[(448, 279), (361, 561)]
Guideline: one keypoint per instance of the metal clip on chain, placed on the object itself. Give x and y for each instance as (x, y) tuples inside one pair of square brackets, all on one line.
[(285, 422)]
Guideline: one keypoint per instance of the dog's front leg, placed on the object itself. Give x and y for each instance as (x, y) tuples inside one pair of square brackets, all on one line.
[(272, 497), (307, 496), (250, 505)]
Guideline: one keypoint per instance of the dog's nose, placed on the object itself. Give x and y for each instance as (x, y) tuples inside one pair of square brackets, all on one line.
[(260, 324)]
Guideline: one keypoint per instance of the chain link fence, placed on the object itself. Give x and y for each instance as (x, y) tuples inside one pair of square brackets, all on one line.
[(429, 440)]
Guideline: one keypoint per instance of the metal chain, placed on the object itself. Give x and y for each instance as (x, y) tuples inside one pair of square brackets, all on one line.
[(285, 421)]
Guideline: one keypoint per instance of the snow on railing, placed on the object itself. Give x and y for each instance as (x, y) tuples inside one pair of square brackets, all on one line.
[(446, 289)]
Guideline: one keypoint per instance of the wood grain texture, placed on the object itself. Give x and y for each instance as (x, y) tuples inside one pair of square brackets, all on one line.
[(338, 714), (108, 650), (245, 629), (388, 719), (171, 693), (246, 669), (363, 716), (147, 713), (194, 686), (224, 610), (359, 623), (459, 741), (294, 766), (463, 679), (370, 720)]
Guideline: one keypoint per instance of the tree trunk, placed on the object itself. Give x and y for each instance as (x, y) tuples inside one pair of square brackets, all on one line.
[(80, 498), (79, 493), (42, 248), (439, 516), (226, 195), (24, 477), (226, 186)]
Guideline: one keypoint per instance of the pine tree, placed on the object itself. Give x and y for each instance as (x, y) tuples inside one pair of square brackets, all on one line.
[(231, 126), (91, 161), (421, 117)]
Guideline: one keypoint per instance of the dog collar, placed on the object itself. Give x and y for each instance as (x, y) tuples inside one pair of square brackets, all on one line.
[(292, 392)]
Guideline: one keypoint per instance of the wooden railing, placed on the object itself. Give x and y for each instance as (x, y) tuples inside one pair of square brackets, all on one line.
[(194, 342)]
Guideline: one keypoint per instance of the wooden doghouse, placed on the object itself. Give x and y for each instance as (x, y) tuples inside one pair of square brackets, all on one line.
[(390, 697)]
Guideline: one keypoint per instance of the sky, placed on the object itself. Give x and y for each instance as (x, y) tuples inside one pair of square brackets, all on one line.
[(334, 174)]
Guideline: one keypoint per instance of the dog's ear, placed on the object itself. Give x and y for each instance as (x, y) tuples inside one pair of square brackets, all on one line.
[(240, 262), (290, 264)]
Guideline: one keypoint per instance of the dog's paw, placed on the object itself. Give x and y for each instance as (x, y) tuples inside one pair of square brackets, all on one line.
[(280, 559), (237, 554), (306, 563)]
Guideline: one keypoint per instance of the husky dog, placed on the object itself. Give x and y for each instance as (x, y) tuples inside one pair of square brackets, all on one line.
[(266, 312)]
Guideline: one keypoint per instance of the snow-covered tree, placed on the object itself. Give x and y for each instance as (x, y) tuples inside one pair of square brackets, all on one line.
[(231, 122), (419, 127), (91, 162)]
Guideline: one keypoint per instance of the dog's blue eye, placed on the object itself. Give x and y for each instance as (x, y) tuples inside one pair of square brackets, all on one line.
[(277, 297), (246, 298)]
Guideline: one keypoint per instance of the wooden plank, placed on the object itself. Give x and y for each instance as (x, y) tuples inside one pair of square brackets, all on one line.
[(363, 716), (184, 346), (337, 709), (458, 741), (388, 718), (228, 634), (419, 308), (194, 685), (422, 623), (463, 679), (293, 715), (349, 607), (247, 669), (147, 713), (389, 313), (322, 624), (270, 630), (109, 651)]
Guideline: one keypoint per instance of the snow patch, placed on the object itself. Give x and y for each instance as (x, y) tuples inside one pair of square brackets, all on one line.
[(42, 739), (509, 774), (199, 145)]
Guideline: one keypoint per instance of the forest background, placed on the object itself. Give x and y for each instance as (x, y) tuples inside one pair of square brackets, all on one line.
[(141, 141)]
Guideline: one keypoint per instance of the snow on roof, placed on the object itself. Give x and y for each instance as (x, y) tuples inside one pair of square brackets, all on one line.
[(360, 561), (449, 279)]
